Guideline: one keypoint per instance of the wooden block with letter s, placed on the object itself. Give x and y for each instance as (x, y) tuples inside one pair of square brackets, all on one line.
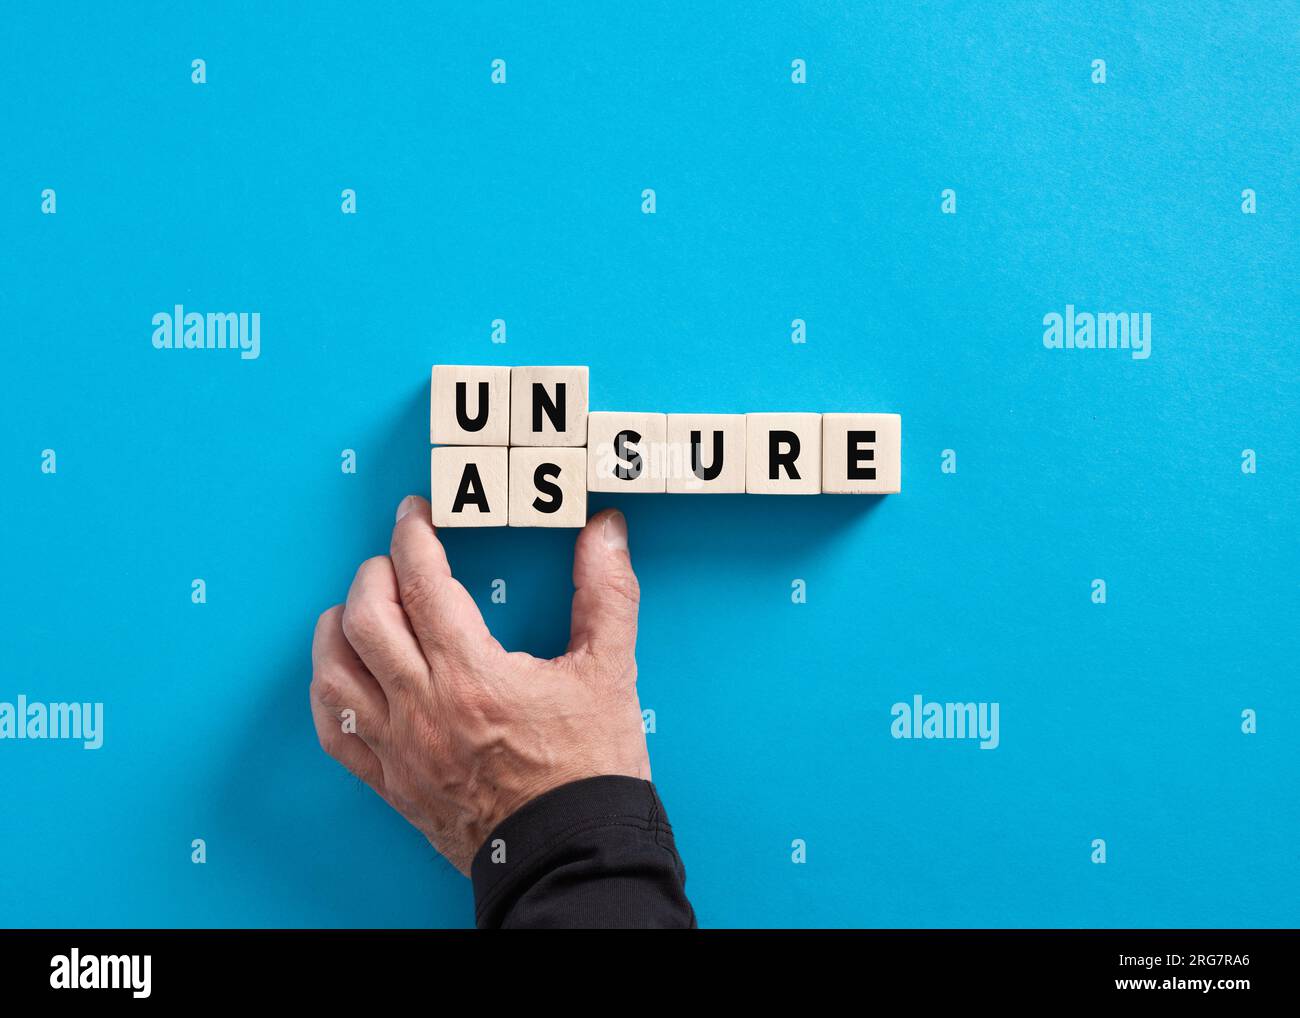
[(625, 451), (548, 487)]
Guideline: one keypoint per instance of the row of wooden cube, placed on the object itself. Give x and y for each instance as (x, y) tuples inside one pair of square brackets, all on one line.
[(765, 454), (488, 405)]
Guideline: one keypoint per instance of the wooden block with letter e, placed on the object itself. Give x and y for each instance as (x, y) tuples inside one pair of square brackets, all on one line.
[(548, 406), (469, 405), (468, 486), (548, 487), (783, 453), (862, 454)]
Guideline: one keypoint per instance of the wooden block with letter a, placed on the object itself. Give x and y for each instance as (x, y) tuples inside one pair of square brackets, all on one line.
[(468, 486)]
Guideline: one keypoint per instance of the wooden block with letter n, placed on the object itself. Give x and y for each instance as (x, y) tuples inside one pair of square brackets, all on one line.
[(862, 454), (783, 453), (548, 406), (548, 487), (706, 453), (469, 405), (625, 451), (468, 486)]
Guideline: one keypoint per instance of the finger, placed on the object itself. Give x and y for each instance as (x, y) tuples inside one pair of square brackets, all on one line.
[(443, 615), (606, 594), (342, 686), (329, 694), (349, 750), (378, 630)]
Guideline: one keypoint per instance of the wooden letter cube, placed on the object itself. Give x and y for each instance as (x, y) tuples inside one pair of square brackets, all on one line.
[(469, 405), (467, 486), (548, 487), (548, 406), (706, 453), (783, 453), (862, 454), (625, 452)]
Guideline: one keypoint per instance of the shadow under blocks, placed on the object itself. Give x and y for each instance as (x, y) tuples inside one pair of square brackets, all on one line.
[(520, 447)]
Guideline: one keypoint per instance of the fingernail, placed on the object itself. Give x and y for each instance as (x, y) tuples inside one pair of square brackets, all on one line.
[(615, 532), (405, 506)]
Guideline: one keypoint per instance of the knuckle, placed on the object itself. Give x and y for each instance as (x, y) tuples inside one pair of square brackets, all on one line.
[(361, 621), (328, 619), (419, 594), (377, 567), (475, 700), (327, 690)]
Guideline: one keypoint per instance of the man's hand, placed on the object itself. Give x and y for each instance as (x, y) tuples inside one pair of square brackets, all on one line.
[(452, 730)]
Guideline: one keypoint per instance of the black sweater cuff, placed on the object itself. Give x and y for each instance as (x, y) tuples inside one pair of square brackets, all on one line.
[(596, 853)]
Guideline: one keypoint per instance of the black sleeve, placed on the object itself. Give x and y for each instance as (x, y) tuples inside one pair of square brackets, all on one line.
[(596, 853)]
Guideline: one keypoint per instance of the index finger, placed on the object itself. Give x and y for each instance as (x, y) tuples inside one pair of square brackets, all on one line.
[(442, 613)]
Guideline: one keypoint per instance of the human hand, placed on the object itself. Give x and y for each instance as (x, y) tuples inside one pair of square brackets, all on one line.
[(411, 693)]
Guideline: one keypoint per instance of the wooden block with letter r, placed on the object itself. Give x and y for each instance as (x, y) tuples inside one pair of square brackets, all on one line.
[(783, 453)]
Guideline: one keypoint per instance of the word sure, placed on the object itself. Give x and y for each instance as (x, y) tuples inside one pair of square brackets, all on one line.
[(518, 447)]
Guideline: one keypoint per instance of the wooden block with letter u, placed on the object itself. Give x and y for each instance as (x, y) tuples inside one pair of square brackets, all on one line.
[(469, 405), (706, 453)]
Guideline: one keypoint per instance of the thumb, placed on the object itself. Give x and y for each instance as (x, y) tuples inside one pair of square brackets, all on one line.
[(606, 594)]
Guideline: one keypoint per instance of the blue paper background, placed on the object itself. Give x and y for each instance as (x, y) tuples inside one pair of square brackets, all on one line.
[(775, 201)]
